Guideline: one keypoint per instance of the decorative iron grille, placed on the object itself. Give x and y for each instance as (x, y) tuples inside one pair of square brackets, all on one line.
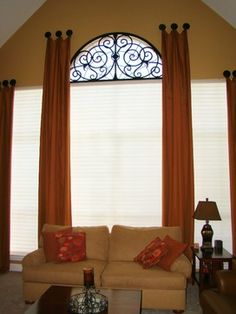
[(116, 56)]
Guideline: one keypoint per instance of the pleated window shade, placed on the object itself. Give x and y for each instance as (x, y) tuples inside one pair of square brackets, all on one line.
[(116, 153), (211, 155), (25, 159)]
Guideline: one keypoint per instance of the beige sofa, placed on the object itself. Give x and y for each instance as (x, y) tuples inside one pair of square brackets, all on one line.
[(111, 254)]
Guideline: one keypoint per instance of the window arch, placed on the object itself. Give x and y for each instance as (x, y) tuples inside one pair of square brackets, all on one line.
[(116, 56)]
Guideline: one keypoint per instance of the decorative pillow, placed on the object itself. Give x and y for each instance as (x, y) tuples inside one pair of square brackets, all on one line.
[(154, 256), (72, 247), (152, 253), (50, 243), (175, 249), (154, 243)]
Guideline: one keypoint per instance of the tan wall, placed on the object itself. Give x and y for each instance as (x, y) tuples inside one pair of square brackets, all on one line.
[(212, 41)]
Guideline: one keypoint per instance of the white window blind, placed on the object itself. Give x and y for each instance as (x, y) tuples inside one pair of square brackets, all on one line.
[(209, 109), (116, 153), (116, 156), (25, 159)]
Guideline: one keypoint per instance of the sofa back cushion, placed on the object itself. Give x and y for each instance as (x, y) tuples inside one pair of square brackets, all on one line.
[(126, 242), (97, 239)]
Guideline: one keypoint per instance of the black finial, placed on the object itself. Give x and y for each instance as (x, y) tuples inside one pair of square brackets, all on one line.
[(5, 83), (174, 26), (13, 82), (226, 73), (69, 32), (162, 27), (58, 33), (186, 26), (47, 34), (234, 73)]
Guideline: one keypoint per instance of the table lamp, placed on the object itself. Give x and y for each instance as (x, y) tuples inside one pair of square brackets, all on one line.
[(207, 210)]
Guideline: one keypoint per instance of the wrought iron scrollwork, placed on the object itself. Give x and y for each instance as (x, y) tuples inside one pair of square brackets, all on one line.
[(116, 56)]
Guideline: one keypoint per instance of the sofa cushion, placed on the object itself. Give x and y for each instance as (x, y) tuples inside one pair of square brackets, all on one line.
[(175, 249), (127, 242), (72, 247), (133, 275), (182, 265), (97, 239), (63, 273), (50, 243)]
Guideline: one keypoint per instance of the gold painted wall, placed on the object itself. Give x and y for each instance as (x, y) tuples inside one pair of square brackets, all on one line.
[(212, 41)]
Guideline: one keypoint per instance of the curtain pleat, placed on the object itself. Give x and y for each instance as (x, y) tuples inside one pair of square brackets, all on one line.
[(54, 165), (6, 121), (178, 175), (231, 106)]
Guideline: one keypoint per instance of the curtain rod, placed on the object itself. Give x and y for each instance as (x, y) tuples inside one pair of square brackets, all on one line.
[(6, 82), (59, 33), (227, 73), (174, 26)]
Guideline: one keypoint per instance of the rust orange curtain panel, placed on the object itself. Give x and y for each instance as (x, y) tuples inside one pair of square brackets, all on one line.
[(54, 164), (177, 164), (6, 120), (231, 105)]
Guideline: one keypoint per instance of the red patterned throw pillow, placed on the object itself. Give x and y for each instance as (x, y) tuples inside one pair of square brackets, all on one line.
[(175, 249), (50, 243), (152, 253), (72, 247), (153, 257), (147, 248)]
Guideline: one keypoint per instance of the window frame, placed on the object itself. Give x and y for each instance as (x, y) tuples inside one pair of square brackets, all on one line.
[(226, 216)]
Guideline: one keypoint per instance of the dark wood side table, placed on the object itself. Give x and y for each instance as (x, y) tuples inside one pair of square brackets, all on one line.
[(208, 265)]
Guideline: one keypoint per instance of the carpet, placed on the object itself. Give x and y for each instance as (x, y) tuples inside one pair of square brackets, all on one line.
[(11, 299)]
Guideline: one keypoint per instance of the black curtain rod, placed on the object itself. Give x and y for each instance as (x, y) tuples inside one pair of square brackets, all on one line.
[(227, 73), (174, 26), (6, 82), (59, 33)]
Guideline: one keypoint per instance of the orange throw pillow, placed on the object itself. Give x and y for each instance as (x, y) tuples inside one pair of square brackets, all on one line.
[(152, 253), (50, 244), (72, 247), (155, 255), (175, 249), (139, 258)]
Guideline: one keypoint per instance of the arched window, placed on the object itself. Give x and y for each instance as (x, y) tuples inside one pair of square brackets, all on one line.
[(116, 56)]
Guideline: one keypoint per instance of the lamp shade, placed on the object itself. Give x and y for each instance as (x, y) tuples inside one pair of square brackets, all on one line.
[(206, 210)]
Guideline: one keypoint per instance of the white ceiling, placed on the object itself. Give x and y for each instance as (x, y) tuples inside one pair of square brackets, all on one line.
[(20, 11), (225, 8), (13, 14)]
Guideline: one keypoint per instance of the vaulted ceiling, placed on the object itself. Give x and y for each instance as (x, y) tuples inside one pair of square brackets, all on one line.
[(225, 8), (20, 11), (13, 14)]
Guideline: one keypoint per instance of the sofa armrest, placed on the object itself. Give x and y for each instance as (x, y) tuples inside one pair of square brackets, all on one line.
[(226, 281), (34, 258), (182, 265)]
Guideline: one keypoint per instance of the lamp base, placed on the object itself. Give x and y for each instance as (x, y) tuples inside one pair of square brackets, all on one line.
[(207, 234), (207, 249)]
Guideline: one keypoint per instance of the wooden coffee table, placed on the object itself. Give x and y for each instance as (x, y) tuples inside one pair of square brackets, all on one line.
[(55, 301)]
